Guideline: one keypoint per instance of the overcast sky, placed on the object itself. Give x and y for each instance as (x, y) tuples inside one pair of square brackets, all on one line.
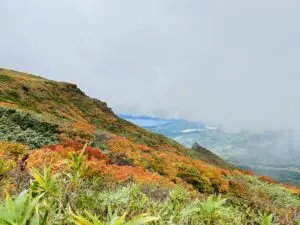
[(232, 62)]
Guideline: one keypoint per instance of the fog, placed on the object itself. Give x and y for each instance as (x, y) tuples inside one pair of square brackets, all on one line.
[(231, 63)]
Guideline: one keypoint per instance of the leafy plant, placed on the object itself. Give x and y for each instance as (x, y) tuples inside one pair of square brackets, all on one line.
[(212, 209), (44, 184), (266, 220), (21, 211), (211, 205), (77, 165), (114, 220)]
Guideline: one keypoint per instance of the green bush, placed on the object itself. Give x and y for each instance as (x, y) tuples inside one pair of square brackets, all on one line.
[(195, 178), (4, 78), (277, 193), (23, 128)]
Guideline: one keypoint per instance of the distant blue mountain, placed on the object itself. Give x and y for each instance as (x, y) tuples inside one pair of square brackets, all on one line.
[(146, 121), (165, 126), (130, 116)]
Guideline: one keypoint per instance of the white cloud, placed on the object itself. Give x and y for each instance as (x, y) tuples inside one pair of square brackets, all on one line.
[(233, 63)]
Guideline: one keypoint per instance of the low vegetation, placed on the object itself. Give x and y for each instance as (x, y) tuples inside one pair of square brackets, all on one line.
[(53, 199)]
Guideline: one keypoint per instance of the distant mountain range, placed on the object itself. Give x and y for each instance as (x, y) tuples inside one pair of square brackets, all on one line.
[(165, 126), (273, 153), (146, 121)]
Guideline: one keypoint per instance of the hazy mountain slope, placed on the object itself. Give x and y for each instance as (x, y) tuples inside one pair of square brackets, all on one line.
[(198, 151), (176, 127), (273, 153)]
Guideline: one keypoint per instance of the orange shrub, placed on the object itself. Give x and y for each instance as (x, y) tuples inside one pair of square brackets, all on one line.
[(236, 173), (248, 172), (97, 168), (266, 179), (13, 150), (238, 187), (122, 146), (292, 189), (143, 148), (58, 158)]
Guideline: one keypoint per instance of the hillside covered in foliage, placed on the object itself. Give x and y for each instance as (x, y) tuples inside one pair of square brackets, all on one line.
[(66, 158)]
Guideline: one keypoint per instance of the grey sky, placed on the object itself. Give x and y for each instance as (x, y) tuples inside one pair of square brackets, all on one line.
[(233, 62)]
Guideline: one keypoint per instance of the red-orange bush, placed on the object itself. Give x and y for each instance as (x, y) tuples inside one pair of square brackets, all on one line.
[(247, 172), (238, 187), (266, 179)]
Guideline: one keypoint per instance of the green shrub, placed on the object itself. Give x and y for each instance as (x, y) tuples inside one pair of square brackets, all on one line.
[(195, 178), (277, 193), (23, 128), (3, 167), (4, 78)]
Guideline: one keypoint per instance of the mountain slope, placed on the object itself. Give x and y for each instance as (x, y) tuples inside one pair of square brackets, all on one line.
[(207, 156), (68, 105), (47, 123), (274, 153), (75, 113)]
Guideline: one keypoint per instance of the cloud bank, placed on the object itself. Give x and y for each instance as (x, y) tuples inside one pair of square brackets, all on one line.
[(233, 63)]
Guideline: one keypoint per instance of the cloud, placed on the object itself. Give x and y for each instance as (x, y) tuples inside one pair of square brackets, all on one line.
[(233, 63)]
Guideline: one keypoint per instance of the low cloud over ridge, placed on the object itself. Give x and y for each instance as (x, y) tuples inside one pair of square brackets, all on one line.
[(233, 63)]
